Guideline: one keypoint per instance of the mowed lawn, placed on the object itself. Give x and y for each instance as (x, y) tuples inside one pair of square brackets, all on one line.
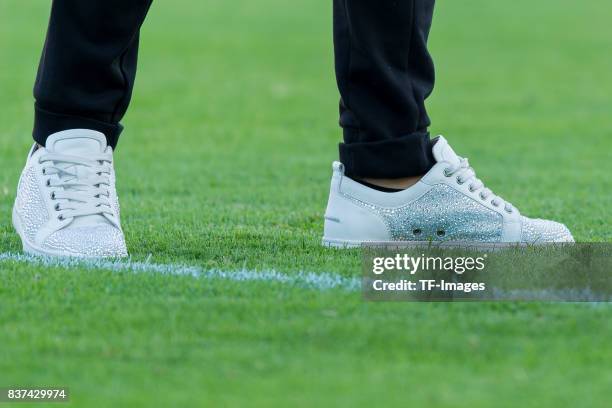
[(225, 164)]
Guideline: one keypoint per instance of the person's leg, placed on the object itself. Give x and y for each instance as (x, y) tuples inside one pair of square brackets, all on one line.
[(384, 73), (401, 186), (88, 66), (66, 202)]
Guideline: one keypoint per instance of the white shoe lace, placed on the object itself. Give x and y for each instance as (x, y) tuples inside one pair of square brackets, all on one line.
[(82, 185), (465, 174)]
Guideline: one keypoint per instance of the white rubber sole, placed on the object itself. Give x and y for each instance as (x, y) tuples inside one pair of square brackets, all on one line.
[(31, 249), (348, 244), (337, 243)]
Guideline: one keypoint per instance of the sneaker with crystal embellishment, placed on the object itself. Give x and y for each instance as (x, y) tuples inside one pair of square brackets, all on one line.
[(66, 201), (449, 204)]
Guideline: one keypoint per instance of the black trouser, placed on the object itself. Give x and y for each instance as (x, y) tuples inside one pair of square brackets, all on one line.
[(384, 74)]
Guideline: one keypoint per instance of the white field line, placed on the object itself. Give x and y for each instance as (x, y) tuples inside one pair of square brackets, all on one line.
[(310, 280), (318, 281)]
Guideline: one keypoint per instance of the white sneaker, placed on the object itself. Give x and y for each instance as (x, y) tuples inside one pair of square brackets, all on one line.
[(448, 204), (66, 200)]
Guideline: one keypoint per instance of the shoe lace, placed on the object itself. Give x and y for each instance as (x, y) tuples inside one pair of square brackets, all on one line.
[(465, 173), (82, 185)]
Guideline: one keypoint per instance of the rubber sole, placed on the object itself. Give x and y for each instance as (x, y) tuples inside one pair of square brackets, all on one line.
[(32, 249), (348, 244)]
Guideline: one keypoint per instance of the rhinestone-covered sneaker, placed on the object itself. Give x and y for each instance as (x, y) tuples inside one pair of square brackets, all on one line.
[(449, 204), (66, 201)]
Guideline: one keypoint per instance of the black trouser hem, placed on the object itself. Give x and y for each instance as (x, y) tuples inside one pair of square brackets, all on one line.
[(404, 156), (46, 123)]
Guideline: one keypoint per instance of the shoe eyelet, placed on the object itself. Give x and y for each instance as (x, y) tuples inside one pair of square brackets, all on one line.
[(52, 195), (417, 231), (440, 233), (60, 217), (509, 210), (471, 189), (447, 172), (459, 181), (494, 203), (44, 171), (482, 197), (48, 183), (57, 207)]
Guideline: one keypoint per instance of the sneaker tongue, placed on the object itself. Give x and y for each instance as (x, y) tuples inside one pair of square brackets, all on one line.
[(84, 143), (442, 152), (78, 142)]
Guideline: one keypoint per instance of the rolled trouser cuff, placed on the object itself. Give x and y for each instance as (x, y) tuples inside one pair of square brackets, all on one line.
[(46, 123), (404, 156)]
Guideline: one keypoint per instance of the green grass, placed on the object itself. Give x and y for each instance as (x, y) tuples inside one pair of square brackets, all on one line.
[(225, 163)]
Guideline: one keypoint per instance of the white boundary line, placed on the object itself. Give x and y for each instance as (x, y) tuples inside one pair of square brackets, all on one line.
[(318, 281), (310, 280)]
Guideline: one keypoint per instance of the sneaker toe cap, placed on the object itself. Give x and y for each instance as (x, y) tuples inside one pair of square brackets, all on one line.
[(537, 231), (100, 241)]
